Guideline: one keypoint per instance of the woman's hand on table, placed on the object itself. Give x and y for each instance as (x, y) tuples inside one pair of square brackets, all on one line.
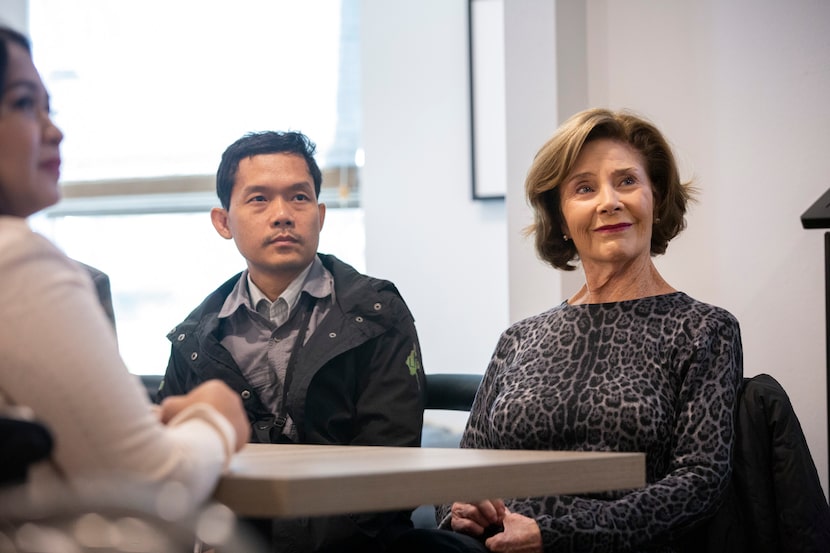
[(218, 395)]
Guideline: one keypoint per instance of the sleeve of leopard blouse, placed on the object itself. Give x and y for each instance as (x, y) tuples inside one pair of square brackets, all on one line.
[(698, 471), (476, 435)]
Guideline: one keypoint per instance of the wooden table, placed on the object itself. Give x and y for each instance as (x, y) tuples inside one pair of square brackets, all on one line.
[(308, 480)]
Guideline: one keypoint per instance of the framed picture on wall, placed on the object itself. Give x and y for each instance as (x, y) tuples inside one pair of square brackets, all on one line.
[(487, 99)]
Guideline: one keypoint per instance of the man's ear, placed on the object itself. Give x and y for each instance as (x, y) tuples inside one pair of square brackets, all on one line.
[(219, 218), (321, 210)]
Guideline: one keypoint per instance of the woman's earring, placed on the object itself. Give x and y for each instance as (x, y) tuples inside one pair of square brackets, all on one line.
[(565, 237), (657, 219)]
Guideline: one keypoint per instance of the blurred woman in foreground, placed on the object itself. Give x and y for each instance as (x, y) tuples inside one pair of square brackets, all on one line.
[(59, 360)]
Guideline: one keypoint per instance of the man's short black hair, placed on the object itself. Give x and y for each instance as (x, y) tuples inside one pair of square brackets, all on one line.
[(259, 143)]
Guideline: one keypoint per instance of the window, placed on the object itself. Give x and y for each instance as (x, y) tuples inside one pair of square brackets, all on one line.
[(148, 94), (162, 265), (155, 88)]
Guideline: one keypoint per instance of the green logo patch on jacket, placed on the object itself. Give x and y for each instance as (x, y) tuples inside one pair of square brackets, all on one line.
[(413, 363)]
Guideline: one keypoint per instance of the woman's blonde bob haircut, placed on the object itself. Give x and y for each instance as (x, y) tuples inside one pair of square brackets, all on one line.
[(555, 161)]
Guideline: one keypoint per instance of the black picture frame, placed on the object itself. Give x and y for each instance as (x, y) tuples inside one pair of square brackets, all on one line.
[(487, 102)]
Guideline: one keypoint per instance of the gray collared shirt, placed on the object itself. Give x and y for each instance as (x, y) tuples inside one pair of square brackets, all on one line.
[(261, 341), (278, 310)]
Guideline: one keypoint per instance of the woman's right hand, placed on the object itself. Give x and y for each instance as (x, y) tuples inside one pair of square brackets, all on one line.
[(475, 518), (218, 395)]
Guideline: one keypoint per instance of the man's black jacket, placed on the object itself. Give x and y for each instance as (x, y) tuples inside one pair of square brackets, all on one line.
[(358, 381)]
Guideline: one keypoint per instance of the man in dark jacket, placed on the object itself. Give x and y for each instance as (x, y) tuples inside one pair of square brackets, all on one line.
[(319, 353)]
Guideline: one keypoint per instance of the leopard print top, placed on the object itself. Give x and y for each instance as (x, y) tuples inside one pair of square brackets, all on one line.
[(658, 375)]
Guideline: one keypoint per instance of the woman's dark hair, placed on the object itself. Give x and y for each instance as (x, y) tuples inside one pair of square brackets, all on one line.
[(8, 35), (555, 160), (269, 142)]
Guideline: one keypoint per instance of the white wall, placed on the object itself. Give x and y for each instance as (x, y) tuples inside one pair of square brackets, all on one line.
[(444, 251), (531, 96), (739, 87)]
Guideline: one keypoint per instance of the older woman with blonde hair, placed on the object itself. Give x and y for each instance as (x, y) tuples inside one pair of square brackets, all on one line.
[(628, 363)]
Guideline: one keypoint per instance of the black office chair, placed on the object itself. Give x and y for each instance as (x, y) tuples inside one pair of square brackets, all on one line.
[(448, 392), (775, 479), (102, 287), (23, 442), (101, 281), (451, 392), (774, 502), (152, 382)]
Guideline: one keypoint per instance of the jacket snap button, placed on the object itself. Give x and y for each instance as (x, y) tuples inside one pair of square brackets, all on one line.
[(332, 335), (377, 307), (193, 356), (180, 337), (245, 394), (359, 319)]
